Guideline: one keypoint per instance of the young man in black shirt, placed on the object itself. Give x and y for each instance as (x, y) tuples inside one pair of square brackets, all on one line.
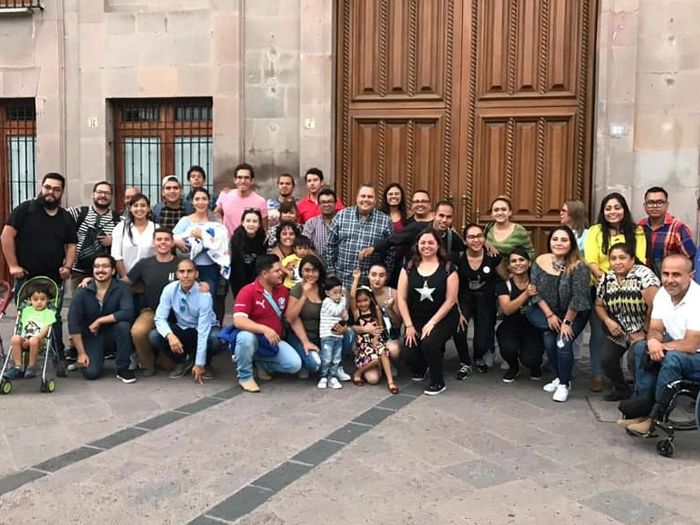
[(40, 238)]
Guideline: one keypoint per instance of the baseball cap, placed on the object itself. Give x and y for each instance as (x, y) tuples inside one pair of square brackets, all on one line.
[(170, 178)]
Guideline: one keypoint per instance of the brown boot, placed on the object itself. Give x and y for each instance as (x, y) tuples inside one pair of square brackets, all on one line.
[(597, 384), (250, 386)]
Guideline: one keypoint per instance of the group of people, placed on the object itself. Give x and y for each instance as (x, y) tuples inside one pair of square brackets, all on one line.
[(314, 281)]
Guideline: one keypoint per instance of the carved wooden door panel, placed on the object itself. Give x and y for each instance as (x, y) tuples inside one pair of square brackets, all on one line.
[(469, 99), (528, 119), (398, 80)]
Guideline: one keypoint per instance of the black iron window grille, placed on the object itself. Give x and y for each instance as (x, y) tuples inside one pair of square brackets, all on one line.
[(17, 152)]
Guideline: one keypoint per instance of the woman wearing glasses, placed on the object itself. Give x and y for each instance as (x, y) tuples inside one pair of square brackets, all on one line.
[(478, 275)]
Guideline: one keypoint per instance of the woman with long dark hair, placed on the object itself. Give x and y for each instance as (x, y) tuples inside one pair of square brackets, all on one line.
[(394, 205), (615, 225), (563, 305), (427, 296), (132, 239), (247, 243)]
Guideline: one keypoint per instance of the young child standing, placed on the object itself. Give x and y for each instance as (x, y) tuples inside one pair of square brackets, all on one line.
[(290, 264), (333, 311), (369, 326), (34, 324)]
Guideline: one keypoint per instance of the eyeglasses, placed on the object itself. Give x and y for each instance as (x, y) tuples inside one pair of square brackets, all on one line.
[(102, 266), (421, 201), (103, 192), (324, 202), (655, 204), (52, 189), (475, 237)]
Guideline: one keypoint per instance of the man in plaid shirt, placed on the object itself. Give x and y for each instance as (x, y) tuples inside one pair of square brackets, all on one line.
[(665, 234), (351, 230)]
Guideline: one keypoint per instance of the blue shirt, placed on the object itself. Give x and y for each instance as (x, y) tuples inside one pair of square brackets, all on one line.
[(192, 310)]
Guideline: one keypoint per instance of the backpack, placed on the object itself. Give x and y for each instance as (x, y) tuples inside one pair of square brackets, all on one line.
[(91, 246)]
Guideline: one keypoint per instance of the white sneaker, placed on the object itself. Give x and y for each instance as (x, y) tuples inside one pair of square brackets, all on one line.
[(334, 383), (322, 383), (342, 375), (303, 373), (551, 387), (561, 394)]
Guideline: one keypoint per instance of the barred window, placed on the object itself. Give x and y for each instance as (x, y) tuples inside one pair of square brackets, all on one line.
[(156, 138)]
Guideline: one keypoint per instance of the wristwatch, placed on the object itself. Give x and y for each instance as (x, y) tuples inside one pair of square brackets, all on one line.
[(567, 322)]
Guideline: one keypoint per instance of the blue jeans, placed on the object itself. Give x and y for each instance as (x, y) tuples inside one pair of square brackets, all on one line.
[(331, 356), (188, 338), (286, 361), (311, 364), (675, 366), (561, 359), (115, 336), (210, 275)]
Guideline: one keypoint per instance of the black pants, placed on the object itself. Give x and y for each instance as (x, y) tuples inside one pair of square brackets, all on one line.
[(520, 344), (114, 337), (481, 309), (611, 355), (428, 352)]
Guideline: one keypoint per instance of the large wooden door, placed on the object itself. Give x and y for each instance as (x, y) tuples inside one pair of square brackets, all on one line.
[(470, 99)]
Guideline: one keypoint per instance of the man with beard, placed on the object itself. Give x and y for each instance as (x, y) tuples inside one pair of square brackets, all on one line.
[(309, 207), (285, 193), (172, 208), (99, 321), (40, 238), (95, 225)]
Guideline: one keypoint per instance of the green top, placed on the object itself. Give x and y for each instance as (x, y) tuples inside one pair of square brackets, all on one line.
[(32, 321), (519, 238)]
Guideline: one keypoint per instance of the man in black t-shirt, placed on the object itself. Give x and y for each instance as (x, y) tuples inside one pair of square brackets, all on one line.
[(154, 273), (40, 238)]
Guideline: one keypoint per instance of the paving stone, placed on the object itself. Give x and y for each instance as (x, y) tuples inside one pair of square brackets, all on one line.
[(396, 402), (282, 476), (203, 520), (228, 393), (118, 438), (160, 421), (348, 433), (199, 405), (318, 452), (627, 508), (373, 416), (481, 473), (241, 503), (14, 481), (53, 464)]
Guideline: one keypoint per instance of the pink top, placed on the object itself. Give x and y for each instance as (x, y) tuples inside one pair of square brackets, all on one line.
[(233, 206)]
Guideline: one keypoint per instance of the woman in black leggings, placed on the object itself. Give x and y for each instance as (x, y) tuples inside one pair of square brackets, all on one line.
[(427, 298)]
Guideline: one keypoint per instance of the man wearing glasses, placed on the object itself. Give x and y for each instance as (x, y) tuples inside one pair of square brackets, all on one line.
[(316, 228), (231, 205), (192, 339), (94, 224), (665, 234), (39, 238), (99, 321)]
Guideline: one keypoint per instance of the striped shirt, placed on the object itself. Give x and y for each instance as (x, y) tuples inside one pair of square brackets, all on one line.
[(672, 237), (348, 234), (331, 314), (92, 224)]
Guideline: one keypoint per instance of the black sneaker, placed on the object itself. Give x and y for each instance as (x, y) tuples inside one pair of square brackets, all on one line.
[(614, 395), (536, 373), (110, 355), (419, 376), (71, 355), (435, 389), (464, 372), (126, 375), (511, 375), (481, 366)]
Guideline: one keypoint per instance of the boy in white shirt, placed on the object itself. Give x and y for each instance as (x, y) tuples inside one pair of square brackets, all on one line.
[(333, 311)]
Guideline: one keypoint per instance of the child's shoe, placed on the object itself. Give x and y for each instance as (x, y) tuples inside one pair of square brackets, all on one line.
[(322, 383), (31, 371), (334, 383), (13, 373)]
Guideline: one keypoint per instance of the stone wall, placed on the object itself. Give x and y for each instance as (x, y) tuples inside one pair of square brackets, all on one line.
[(648, 107)]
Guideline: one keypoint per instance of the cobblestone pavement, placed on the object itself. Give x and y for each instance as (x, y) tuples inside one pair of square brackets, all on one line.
[(170, 451)]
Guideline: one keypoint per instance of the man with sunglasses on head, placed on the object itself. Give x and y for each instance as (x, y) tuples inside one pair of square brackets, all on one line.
[(40, 238), (192, 339), (665, 233)]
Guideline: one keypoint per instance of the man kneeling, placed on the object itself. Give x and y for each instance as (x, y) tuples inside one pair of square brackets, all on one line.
[(99, 320), (672, 351), (193, 338), (257, 315)]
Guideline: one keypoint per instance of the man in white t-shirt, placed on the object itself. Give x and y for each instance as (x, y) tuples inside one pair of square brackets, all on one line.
[(232, 204), (672, 351)]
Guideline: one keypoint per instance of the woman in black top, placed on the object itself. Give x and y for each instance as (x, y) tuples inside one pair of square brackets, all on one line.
[(427, 297), (247, 242), (478, 275), (517, 338)]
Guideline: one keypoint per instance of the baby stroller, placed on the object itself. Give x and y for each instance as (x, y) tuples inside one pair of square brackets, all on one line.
[(681, 392), (22, 301)]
